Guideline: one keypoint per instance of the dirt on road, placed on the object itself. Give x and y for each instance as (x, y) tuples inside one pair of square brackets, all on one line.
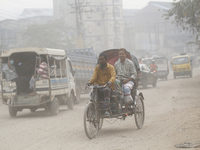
[(172, 117)]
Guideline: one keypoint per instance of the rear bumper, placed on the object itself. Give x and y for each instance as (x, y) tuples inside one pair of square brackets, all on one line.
[(24, 101), (182, 73)]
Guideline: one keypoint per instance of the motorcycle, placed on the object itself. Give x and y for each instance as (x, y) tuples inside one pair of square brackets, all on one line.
[(95, 110)]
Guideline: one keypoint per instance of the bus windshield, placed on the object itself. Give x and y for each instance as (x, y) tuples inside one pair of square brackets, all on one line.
[(181, 60)]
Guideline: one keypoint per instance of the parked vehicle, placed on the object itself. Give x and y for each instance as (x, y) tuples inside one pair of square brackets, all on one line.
[(94, 112), (147, 77), (83, 62), (163, 68), (57, 88), (182, 65)]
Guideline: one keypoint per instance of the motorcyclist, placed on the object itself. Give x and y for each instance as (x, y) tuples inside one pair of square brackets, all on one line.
[(153, 66), (104, 74)]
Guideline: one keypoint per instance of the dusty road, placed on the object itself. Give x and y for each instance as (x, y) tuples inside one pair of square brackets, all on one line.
[(172, 117)]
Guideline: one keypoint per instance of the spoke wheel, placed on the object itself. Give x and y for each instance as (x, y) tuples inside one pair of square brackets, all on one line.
[(139, 113), (90, 121), (100, 123)]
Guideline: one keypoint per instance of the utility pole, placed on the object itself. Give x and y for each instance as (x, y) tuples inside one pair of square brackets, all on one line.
[(104, 27), (115, 24), (77, 9), (79, 26), (156, 47), (149, 35), (128, 33)]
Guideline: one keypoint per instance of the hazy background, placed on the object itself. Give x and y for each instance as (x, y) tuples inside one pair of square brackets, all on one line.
[(10, 9)]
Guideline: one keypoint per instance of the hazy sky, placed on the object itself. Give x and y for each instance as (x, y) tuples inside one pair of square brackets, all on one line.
[(10, 9)]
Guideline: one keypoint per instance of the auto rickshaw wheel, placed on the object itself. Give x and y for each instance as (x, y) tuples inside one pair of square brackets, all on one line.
[(78, 95), (174, 76), (32, 109), (70, 102), (12, 111), (191, 74), (54, 106), (165, 77)]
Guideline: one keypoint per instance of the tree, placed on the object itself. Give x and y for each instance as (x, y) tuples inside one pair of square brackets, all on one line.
[(186, 14), (53, 34)]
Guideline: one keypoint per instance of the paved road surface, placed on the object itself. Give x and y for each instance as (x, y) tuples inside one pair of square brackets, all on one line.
[(172, 117)]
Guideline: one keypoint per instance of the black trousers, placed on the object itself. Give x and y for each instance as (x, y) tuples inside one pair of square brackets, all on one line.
[(22, 84)]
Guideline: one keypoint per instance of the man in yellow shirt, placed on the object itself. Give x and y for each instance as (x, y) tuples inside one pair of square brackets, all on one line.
[(104, 74)]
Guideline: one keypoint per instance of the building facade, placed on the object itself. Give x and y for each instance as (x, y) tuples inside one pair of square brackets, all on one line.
[(99, 23), (151, 33), (11, 29)]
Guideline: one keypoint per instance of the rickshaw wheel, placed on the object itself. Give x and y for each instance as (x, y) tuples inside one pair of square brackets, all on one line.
[(100, 123), (139, 113), (55, 106), (12, 111), (90, 121)]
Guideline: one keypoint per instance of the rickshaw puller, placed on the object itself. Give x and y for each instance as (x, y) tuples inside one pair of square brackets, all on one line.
[(104, 73)]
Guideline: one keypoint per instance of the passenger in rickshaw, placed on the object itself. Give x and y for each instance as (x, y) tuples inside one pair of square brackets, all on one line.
[(104, 74), (26, 71), (43, 69), (10, 73), (126, 73)]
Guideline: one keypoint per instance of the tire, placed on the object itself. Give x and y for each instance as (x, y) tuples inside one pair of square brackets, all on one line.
[(165, 77), (32, 109), (139, 113), (100, 123), (174, 76), (155, 82), (78, 95), (191, 74), (144, 83), (12, 111), (91, 126), (54, 107), (70, 102)]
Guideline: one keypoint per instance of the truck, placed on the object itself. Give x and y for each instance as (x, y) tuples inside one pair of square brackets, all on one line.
[(83, 62)]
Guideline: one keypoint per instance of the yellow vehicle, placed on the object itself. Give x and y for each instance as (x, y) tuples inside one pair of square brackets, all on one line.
[(182, 65)]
